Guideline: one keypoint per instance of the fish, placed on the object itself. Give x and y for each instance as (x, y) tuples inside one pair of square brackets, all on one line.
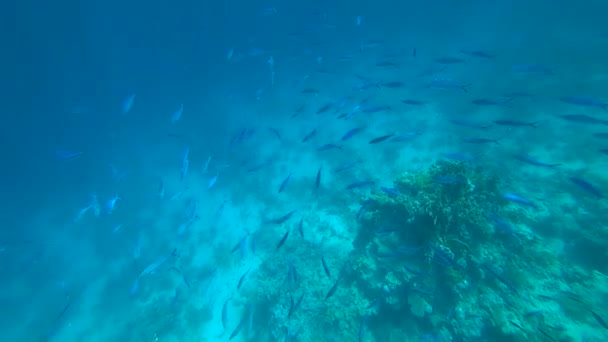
[(601, 135), (284, 183), (381, 139), (178, 194), (301, 227), (581, 118), (151, 268), (291, 306), (482, 141), (348, 165), (448, 179), (212, 181), (585, 101), (532, 69), (362, 327), (478, 53), (295, 306), (266, 11), (275, 132), (309, 135), (458, 156), (282, 219), (184, 226), (404, 137), (518, 326), (161, 190), (318, 180), (519, 199), (534, 313), (446, 259), (177, 115), (67, 155), (225, 313), (297, 112), (134, 287), (448, 83), (588, 187), (324, 109), (206, 166), (390, 191), (238, 328), (432, 70), (282, 242), (238, 286), (366, 85), (449, 60), (513, 123), (325, 267), (127, 104), (546, 334), (359, 184), (376, 109), (185, 164), (117, 228), (414, 102), (393, 84), (240, 245), (352, 132), (500, 278), (333, 290), (491, 102), (468, 124), (533, 161), (600, 320), (518, 94), (327, 147), (387, 64), (259, 166), (111, 203), (292, 273), (310, 91)]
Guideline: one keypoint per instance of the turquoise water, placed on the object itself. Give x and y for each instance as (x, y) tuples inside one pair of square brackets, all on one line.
[(312, 171)]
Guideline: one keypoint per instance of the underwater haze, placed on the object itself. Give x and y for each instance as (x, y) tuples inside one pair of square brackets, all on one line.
[(399, 171)]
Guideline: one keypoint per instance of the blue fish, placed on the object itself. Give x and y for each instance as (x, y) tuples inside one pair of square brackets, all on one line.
[(128, 103), (519, 199), (533, 161), (359, 184), (585, 185), (67, 155), (284, 183), (111, 204), (177, 115), (390, 191), (585, 101), (352, 132)]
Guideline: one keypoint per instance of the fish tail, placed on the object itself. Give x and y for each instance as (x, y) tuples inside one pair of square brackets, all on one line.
[(496, 141), (534, 124), (464, 87)]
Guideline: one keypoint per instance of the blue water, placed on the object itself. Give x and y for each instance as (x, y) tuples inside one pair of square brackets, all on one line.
[(153, 153)]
